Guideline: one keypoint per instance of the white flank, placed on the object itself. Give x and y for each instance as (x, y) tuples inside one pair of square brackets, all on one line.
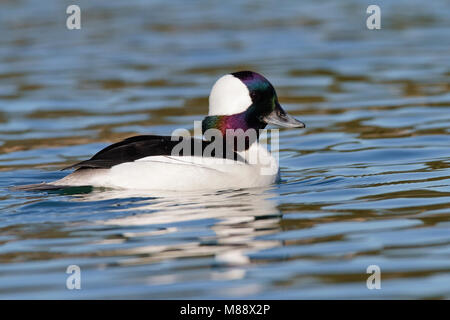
[(182, 173)]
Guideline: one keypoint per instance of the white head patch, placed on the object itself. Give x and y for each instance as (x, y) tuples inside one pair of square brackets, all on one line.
[(228, 96)]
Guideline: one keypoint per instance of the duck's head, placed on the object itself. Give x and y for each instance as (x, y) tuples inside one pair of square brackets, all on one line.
[(245, 100)]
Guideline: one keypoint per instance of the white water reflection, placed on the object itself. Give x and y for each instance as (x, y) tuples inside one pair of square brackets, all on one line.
[(219, 224)]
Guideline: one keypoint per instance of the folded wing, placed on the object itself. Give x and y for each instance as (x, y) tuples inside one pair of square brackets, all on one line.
[(134, 148)]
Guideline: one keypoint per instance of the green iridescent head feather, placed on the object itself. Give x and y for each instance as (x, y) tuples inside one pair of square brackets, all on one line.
[(263, 97), (263, 107)]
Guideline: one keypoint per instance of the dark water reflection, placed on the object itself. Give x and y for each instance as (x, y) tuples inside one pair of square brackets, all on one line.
[(367, 183)]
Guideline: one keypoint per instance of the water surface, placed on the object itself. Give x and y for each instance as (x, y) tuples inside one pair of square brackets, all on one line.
[(366, 183)]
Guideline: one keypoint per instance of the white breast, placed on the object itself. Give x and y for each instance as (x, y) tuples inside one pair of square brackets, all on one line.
[(183, 173)]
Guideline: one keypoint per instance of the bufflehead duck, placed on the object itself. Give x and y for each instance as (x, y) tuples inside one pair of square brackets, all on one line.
[(242, 100)]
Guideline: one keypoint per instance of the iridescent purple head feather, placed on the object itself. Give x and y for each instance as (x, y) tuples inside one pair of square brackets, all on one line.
[(245, 100)]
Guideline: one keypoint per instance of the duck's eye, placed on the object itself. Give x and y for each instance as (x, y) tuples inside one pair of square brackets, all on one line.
[(254, 95)]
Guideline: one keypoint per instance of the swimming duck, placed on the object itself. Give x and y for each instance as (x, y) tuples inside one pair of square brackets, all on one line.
[(241, 100)]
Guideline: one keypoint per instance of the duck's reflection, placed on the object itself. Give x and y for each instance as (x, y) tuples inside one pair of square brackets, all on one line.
[(161, 226)]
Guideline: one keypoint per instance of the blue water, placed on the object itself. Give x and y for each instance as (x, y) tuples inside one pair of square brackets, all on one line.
[(366, 183)]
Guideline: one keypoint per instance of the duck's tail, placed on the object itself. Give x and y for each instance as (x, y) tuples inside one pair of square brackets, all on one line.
[(37, 187)]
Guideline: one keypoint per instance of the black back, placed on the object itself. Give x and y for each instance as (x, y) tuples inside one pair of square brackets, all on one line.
[(138, 147)]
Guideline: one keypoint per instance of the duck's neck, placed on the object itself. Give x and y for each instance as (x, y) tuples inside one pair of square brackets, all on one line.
[(231, 127)]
